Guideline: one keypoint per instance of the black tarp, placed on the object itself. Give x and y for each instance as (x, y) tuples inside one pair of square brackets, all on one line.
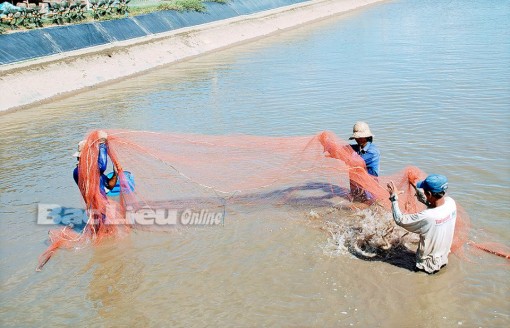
[(21, 46)]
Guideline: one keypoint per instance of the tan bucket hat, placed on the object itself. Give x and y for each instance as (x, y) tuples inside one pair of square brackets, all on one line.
[(361, 130), (81, 144), (102, 135)]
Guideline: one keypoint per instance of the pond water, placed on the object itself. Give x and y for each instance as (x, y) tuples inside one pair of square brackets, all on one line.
[(431, 78)]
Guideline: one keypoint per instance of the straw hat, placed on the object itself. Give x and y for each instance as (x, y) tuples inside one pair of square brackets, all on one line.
[(361, 130), (81, 144), (101, 135)]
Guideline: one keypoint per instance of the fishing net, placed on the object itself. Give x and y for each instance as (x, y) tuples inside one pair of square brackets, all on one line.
[(178, 179)]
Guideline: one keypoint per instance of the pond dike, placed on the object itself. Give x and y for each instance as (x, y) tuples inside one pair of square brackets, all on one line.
[(40, 65)]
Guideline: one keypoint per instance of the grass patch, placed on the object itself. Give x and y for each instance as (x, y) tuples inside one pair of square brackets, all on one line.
[(177, 5)]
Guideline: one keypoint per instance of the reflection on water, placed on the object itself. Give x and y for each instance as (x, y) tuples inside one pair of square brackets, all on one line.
[(116, 276), (432, 79)]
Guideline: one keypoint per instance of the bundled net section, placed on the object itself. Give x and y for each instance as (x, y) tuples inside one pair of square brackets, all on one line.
[(180, 171)]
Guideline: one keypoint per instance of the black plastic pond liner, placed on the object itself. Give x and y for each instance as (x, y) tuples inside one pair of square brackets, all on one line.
[(21, 46)]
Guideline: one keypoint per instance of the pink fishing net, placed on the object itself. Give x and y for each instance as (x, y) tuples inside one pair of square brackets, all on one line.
[(211, 172)]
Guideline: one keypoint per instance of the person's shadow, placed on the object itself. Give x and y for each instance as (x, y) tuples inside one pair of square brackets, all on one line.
[(399, 256)]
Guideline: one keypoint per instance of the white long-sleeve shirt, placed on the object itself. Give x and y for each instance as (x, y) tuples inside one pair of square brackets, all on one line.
[(435, 227)]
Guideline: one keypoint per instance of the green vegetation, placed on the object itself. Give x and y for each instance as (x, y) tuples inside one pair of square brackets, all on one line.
[(177, 5), (75, 12), (65, 12), (110, 8), (25, 17)]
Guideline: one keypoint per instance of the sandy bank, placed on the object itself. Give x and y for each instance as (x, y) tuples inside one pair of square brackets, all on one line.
[(41, 80)]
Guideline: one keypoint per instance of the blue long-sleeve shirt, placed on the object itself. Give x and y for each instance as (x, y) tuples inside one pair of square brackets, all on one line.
[(102, 158), (371, 156), (102, 163)]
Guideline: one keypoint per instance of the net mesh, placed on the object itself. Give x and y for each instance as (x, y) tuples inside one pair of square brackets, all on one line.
[(210, 172)]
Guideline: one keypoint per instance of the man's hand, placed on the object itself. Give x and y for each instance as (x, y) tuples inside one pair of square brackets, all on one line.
[(117, 168), (392, 189), (420, 195)]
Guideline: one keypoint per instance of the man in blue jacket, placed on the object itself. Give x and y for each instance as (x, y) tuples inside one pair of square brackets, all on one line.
[(105, 183), (102, 163), (367, 150)]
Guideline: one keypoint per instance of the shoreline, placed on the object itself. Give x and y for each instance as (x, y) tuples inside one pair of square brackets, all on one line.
[(46, 79)]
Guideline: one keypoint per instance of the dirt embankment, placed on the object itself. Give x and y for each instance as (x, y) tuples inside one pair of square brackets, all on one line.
[(42, 80)]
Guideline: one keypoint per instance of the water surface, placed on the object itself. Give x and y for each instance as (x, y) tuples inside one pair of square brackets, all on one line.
[(432, 79)]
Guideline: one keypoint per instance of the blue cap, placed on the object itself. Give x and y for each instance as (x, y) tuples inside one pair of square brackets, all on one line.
[(434, 183)]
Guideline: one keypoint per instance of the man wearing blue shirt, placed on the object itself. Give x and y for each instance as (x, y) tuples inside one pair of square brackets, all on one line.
[(369, 153), (105, 183), (102, 163)]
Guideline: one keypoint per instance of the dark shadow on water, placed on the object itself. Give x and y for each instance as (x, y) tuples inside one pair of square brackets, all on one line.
[(313, 194), (316, 194), (322, 195), (399, 256)]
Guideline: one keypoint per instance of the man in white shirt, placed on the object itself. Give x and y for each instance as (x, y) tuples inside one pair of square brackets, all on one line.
[(435, 225)]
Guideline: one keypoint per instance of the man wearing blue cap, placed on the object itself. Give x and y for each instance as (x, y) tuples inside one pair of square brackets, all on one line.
[(435, 225)]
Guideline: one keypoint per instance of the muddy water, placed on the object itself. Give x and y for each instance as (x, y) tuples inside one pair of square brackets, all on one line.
[(432, 79)]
